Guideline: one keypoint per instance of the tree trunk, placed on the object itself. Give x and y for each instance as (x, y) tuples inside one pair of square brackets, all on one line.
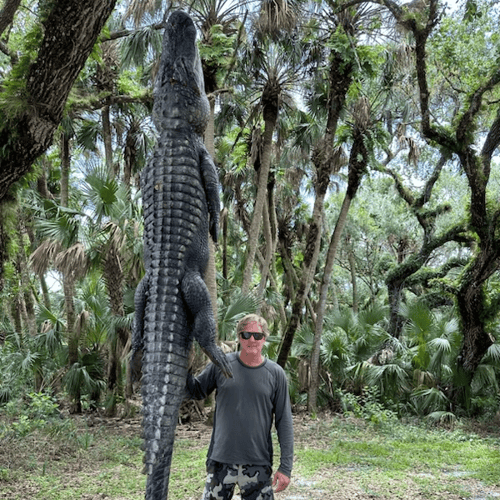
[(107, 138), (129, 155), (352, 265), (473, 317), (210, 276), (27, 299), (321, 307), (73, 338), (358, 162), (310, 261), (45, 292), (15, 313), (326, 161), (395, 291), (270, 119), (65, 169), (7, 14), (113, 277), (70, 31), (270, 251), (225, 263)]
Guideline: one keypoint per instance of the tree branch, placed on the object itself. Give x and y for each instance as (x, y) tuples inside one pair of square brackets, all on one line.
[(465, 124), (13, 57), (95, 103), (7, 14), (492, 139), (401, 188), (426, 193), (115, 35)]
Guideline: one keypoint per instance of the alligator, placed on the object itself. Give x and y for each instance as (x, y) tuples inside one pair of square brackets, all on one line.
[(180, 194)]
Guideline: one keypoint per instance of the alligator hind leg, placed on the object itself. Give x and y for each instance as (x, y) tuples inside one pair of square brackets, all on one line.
[(140, 299), (197, 299)]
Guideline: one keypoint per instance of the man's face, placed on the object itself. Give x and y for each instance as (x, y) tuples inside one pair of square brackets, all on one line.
[(252, 346)]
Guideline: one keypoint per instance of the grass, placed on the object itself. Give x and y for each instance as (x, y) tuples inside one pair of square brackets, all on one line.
[(391, 459), (334, 456)]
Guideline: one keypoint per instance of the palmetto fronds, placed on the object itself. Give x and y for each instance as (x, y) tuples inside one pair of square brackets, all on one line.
[(137, 9), (239, 305), (277, 15)]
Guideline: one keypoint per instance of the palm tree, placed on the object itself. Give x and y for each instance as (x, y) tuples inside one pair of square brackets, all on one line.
[(358, 163), (327, 158), (69, 258), (274, 75), (114, 228)]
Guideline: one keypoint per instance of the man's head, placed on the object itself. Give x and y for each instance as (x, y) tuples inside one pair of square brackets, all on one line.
[(252, 332), (253, 323)]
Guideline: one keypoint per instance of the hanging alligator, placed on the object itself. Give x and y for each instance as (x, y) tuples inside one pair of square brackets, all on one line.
[(181, 208)]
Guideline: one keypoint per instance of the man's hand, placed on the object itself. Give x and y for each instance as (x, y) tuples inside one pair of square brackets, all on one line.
[(281, 480)]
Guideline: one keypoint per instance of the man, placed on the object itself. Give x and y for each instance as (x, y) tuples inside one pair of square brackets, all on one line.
[(240, 450)]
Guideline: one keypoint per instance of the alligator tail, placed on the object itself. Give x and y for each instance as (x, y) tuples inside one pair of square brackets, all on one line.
[(164, 372), (160, 412)]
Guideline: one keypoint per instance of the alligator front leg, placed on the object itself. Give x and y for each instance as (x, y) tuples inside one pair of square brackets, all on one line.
[(211, 185), (197, 299)]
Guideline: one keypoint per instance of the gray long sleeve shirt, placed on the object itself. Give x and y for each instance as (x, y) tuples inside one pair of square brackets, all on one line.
[(245, 406)]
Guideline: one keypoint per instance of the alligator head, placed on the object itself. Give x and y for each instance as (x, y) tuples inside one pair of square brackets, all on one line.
[(180, 90)]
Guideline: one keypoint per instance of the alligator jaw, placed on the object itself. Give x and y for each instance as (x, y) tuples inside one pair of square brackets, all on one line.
[(179, 43)]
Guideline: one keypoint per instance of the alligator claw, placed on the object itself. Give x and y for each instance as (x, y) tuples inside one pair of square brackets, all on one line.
[(136, 364), (219, 359)]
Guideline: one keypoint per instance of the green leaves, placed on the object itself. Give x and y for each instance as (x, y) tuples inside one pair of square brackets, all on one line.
[(239, 306), (217, 48), (101, 189), (140, 47)]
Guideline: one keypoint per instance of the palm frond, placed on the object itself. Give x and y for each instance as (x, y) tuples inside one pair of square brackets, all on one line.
[(136, 48), (63, 227), (390, 378), (44, 255), (359, 372), (238, 307), (335, 350), (72, 261), (441, 350), (303, 342), (276, 16), (373, 315), (29, 360), (492, 355), (443, 417), (344, 319), (101, 189), (429, 400), (87, 134), (137, 9), (485, 377)]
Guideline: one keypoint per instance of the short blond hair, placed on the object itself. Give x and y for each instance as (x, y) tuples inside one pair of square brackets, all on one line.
[(253, 318)]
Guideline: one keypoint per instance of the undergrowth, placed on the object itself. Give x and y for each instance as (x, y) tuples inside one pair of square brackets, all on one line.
[(59, 457)]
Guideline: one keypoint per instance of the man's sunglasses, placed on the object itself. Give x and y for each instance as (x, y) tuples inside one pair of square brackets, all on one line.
[(256, 336)]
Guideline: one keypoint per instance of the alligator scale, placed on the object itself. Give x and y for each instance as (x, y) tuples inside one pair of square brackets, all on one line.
[(181, 208)]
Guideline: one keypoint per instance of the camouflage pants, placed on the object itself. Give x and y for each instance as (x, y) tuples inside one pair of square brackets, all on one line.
[(254, 481)]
